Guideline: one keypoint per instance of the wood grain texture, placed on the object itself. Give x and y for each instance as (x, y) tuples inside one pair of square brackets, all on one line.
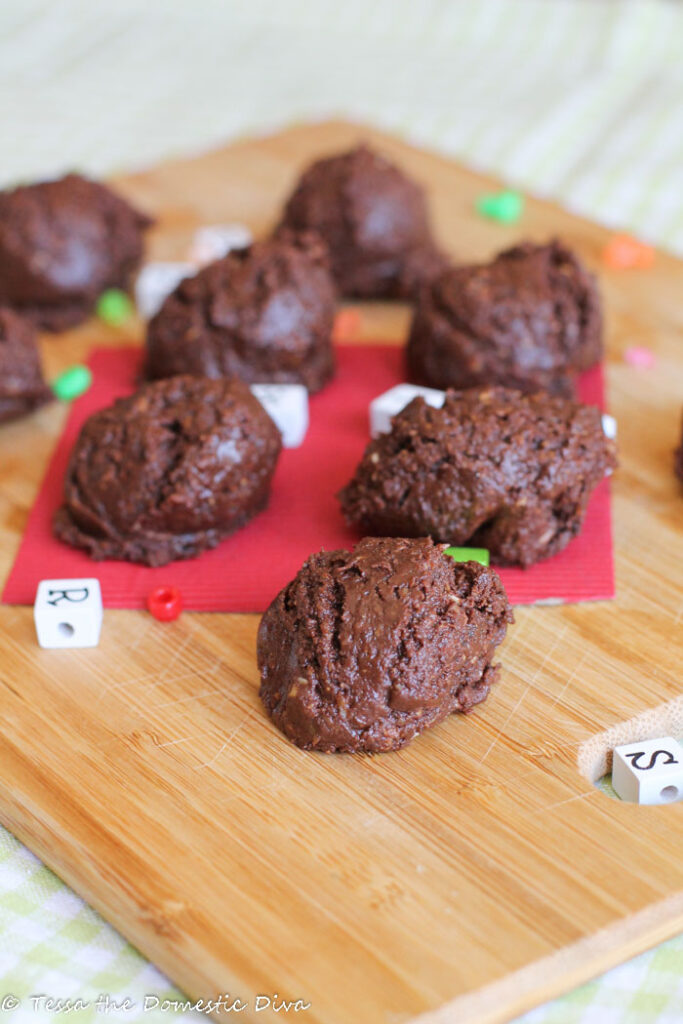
[(466, 878)]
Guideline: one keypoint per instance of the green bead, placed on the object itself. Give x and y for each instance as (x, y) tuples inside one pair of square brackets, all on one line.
[(469, 555), (73, 382), (505, 207), (114, 307)]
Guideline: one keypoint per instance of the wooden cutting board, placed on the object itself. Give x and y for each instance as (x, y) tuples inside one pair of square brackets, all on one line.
[(466, 878)]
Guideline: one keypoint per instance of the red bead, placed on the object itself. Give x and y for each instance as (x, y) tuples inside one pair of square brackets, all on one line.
[(165, 603)]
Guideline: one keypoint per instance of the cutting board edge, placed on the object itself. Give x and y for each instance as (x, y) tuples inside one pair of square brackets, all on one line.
[(563, 971), (499, 1002)]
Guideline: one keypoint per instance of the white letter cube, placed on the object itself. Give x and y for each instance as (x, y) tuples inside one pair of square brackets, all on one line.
[(68, 613), (385, 406), (650, 772), (155, 282), (215, 241), (609, 426), (287, 406)]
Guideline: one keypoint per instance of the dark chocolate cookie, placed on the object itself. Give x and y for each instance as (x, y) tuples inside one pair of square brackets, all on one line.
[(264, 314), (169, 471), (529, 320), (495, 469), (365, 649), (374, 221), (22, 387), (62, 243)]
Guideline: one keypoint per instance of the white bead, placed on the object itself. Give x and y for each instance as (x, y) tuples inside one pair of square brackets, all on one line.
[(157, 280), (215, 241), (650, 772), (68, 613), (391, 402), (287, 406)]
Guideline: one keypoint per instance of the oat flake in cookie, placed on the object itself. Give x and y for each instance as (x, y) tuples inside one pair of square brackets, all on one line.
[(530, 319), (264, 314), (63, 243), (493, 469), (169, 471), (374, 221), (22, 387), (365, 649)]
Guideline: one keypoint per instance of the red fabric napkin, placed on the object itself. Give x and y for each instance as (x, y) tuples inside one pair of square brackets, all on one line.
[(248, 569)]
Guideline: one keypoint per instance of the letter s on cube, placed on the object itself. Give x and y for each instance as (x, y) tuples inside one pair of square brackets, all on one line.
[(650, 772), (68, 613)]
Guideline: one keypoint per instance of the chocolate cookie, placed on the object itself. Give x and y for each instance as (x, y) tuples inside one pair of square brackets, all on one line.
[(365, 649), (493, 469), (264, 314), (169, 471), (529, 320), (62, 243), (22, 387), (374, 221)]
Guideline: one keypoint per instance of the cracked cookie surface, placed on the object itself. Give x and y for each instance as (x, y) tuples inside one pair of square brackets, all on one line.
[(530, 319), (493, 468), (63, 243), (22, 385), (365, 649), (374, 221), (169, 471), (264, 314)]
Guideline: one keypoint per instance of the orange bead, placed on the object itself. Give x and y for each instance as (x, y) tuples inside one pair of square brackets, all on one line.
[(623, 252), (346, 324)]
